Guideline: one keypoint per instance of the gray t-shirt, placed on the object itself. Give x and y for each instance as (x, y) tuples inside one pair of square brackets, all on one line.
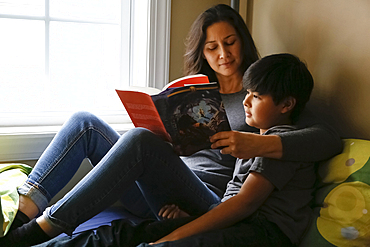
[(288, 204)]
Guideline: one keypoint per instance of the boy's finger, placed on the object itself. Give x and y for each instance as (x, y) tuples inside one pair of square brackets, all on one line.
[(163, 210)]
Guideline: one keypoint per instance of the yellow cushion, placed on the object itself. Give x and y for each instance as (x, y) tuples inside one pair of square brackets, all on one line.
[(342, 200), (11, 177)]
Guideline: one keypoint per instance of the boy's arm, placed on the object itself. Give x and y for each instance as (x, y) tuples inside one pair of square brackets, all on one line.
[(235, 209)]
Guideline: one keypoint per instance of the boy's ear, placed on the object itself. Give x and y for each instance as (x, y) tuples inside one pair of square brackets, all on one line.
[(288, 104)]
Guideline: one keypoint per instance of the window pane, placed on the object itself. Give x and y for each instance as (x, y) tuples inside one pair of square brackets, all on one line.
[(95, 10), (22, 64), (22, 7), (53, 67), (84, 66), (140, 43)]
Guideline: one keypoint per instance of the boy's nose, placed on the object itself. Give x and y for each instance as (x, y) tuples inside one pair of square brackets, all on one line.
[(246, 101)]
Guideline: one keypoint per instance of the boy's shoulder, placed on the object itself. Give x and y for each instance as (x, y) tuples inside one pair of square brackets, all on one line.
[(275, 130)]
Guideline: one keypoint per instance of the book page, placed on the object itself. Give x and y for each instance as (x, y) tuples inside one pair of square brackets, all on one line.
[(191, 115), (143, 112), (187, 80)]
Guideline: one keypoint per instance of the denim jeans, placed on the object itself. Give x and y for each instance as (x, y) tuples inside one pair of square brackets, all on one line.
[(137, 157)]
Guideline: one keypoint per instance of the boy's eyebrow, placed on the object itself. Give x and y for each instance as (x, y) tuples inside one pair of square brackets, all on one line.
[(212, 41)]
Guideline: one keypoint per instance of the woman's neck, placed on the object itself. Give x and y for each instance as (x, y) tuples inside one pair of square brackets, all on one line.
[(231, 84)]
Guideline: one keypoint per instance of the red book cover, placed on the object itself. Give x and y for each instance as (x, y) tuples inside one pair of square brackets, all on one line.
[(185, 115)]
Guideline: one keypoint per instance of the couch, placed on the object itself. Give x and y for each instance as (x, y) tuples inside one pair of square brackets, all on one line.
[(341, 206)]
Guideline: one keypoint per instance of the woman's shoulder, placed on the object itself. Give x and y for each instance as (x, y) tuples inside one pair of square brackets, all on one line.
[(307, 118)]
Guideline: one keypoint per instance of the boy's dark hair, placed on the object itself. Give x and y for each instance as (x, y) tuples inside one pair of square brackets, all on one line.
[(281, 76)]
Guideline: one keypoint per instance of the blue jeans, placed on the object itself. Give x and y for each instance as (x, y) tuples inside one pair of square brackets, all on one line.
[(137, 166)]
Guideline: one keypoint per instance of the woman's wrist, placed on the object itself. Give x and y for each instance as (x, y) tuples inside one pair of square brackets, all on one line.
[(271, 147)]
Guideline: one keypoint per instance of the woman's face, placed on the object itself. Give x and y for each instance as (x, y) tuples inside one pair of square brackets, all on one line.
[(222, 49)]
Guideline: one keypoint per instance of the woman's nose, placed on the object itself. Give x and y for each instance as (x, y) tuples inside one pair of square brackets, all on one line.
[(223, 52)]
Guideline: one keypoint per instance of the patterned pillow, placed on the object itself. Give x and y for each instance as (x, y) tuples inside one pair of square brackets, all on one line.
[(342, 200), (11, 177)]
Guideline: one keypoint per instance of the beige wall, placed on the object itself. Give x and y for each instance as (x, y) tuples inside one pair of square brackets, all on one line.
[(333, 37), (183, 13)]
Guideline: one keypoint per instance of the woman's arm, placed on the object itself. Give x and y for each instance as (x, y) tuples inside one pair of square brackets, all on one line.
[(311, 144), (229, 212), (245, 145)]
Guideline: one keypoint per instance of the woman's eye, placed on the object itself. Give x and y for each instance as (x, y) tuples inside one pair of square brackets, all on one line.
[(230, 43), (210, 47)]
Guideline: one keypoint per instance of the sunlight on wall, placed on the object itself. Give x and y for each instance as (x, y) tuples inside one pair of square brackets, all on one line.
[(333, 38)]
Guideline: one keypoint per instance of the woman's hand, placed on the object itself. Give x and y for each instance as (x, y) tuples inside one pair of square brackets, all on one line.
[(172, 212), (245, 145)]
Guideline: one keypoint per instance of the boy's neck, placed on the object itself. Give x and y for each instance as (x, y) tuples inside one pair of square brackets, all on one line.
[(287, 121)]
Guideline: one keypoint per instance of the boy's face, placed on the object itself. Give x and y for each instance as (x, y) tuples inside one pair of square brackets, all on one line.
[(261, 111)]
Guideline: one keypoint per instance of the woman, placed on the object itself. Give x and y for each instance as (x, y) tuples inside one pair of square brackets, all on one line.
[(139, 159)]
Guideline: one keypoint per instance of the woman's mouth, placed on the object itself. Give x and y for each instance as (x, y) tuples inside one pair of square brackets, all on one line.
[(227, 64)]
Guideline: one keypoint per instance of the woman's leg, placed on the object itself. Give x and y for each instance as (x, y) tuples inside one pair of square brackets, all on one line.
[(139, 156), (82, 136)]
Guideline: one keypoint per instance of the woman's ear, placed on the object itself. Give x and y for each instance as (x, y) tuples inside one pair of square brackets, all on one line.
[(288, 104)]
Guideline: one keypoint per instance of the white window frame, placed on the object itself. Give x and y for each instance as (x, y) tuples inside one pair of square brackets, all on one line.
[(28, 143)]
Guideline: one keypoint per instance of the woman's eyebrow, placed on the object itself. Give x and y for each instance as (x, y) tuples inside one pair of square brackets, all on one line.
[(212, 41)]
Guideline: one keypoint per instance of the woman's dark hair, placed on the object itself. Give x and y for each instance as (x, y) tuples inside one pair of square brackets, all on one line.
[(194, 62), (281, 76)]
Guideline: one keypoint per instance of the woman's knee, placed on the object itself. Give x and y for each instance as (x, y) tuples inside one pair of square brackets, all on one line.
[(85, 120), (141, 134), (83, 116)]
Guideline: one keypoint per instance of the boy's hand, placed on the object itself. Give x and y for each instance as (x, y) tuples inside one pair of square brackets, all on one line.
[(245, 145), (172, 212)]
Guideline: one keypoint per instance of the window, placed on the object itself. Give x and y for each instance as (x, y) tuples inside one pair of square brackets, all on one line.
[(58, 57)]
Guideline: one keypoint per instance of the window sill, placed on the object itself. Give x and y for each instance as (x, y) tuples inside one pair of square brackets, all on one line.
[(28, 143)]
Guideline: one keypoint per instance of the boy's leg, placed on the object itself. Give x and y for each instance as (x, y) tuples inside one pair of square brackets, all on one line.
[(254, 231), (138, 155), (120, 233)]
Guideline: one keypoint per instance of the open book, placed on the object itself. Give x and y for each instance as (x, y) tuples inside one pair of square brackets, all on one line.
[(186, 113)]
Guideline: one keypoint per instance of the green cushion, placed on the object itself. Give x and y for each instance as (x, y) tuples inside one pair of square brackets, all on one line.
[(342, 200), (11, 177)]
